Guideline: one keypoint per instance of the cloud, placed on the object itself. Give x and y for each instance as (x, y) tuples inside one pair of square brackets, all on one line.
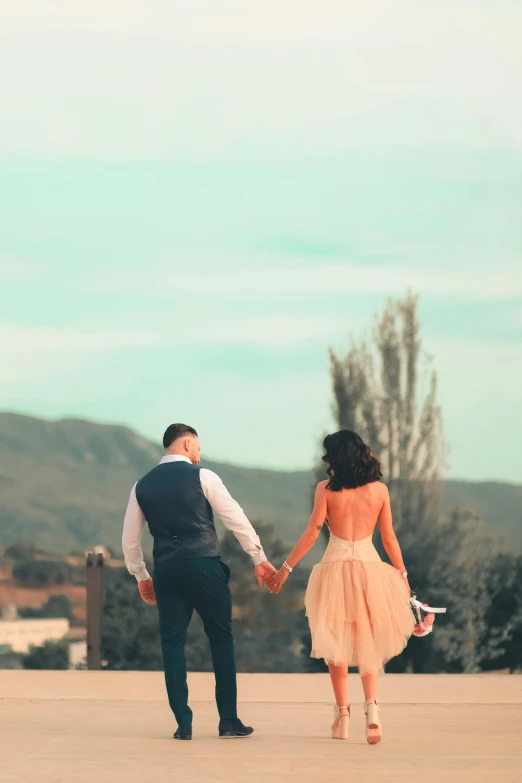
[(295, 76), (513, 318), (17, 271), (274, 280), (277, 332), (31, 352), (470, 358)]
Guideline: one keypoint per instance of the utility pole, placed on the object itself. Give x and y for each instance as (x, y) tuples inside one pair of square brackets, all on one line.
[(94, 566)]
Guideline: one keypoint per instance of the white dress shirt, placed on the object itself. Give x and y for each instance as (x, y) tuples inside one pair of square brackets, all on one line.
[(224, 505)]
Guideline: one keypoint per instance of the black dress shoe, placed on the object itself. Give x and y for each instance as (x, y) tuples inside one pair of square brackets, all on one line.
[(183, 734), (233, 729)]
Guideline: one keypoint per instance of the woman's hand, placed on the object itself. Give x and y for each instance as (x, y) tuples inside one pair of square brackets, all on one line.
[(277, 580)]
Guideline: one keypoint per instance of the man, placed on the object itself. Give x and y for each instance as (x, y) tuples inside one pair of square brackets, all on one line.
[(177, 500)]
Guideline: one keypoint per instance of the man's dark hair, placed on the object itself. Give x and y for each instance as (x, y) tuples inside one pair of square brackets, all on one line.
[(175, 431)]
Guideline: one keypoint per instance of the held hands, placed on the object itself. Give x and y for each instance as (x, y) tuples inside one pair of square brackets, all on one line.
[(277, 580), (263, 571), (147, 593), (266, 575)]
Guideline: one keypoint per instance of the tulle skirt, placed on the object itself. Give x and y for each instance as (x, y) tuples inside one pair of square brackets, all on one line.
[(357, 607)]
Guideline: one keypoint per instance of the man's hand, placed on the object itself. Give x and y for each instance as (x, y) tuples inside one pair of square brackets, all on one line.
[(147, 593), (263, 572)]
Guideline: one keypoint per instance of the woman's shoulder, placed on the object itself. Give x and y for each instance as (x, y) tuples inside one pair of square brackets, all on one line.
[(382, 489), (379, 489), (322, 485)]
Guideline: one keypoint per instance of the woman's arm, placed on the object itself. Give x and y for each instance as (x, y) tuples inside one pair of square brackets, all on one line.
[(307, 540), (388, 537), (313, 530)]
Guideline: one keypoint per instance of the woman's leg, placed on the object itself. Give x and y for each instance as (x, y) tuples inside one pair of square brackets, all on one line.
[(373, 719), (369, 683), (339, 677)]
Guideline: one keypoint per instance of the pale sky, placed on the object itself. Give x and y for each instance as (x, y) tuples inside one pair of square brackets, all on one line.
[(197, 199)]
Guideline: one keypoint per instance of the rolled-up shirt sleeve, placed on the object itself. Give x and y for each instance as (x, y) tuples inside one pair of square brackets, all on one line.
[(133, 527), (231, 514)]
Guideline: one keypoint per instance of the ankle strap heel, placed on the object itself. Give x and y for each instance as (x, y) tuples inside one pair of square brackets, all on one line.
[(341, 724), (373, 723)]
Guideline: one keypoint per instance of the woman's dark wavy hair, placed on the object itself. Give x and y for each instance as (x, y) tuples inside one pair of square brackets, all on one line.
[(350, 461)]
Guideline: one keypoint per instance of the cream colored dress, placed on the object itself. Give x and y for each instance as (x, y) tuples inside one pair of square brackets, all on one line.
[(357, 607)]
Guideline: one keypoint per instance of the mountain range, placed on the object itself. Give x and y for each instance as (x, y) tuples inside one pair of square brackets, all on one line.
[(64, 486)]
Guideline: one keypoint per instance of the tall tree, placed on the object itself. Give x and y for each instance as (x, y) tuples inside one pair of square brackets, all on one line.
[(130, 635), (386, 390), (466, 574), (504, 615)]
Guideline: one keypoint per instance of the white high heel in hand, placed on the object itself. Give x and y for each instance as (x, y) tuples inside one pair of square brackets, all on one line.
[(341, 723), (424, 626)]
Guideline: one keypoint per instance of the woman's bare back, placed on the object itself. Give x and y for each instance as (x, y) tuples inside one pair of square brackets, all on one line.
[(353, 513)]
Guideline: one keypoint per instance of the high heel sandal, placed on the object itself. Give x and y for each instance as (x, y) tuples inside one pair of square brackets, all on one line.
[(373, 723), (341, 723)]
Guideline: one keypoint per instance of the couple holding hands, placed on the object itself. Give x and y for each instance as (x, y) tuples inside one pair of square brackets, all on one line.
[(358, 607)]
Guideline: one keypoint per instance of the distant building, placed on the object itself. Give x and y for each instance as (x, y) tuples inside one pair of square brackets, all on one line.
[(77, 654), (20, 635), (9, 612)]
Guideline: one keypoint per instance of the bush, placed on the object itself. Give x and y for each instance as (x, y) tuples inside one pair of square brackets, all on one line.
[(20, 551), (45, 573), (10, 660), (130, 633), (77, 575), (56, 606), (52, 655), (42, 573)]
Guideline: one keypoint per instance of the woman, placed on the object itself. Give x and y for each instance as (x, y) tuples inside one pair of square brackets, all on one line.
[(357, 606)]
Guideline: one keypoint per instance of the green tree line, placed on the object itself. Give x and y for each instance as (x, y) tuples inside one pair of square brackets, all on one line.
[(385, 388)]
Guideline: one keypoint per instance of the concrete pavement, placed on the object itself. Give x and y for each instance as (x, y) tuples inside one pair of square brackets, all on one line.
[(74, 727)]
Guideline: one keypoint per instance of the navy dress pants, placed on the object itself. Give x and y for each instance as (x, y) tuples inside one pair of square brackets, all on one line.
[(181, 587)]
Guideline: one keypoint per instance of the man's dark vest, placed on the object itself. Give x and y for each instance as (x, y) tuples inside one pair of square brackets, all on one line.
[(179, 516)]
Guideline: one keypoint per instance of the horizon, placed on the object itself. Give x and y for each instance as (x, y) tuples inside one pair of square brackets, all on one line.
[(197, 211), (234, 463)]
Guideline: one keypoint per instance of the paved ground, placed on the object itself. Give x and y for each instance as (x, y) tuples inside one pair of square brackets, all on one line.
[(71, 727)]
